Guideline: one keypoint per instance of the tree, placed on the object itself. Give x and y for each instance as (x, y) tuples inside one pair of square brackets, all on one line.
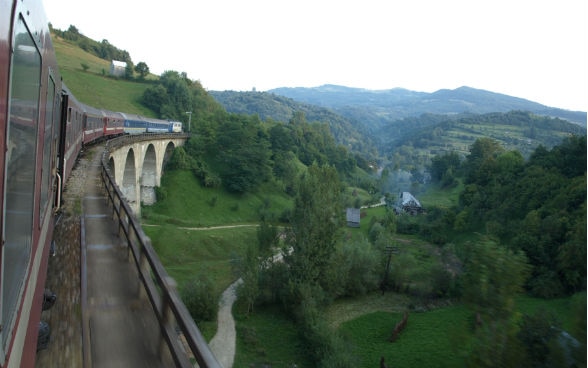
[(129, 70), (480, 163), (358, 268), (316, 222), (199, 297), (243, 159), (142, 69), (494, 276), (444, 167), (249, 289), (155, 97)]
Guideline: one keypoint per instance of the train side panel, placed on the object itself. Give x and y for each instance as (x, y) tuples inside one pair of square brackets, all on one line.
[(30, 95)]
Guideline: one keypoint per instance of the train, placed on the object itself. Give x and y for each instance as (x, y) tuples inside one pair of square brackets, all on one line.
[(43, 129)]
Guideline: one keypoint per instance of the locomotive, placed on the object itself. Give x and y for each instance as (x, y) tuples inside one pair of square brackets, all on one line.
[(43, 127)]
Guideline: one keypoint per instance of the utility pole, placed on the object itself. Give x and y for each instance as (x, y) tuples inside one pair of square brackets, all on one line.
[(389, 251), (189, 119)]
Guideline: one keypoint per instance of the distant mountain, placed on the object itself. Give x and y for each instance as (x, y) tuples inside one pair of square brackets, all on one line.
[(377, 107)]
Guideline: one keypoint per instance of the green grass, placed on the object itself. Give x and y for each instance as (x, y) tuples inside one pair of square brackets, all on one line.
[(197, 206), (437, 338), (269, 337), (187, 254), (440, 197), (427, 341)]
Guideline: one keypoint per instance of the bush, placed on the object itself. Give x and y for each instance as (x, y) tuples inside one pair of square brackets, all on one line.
[(326, 347), (199, 297), (358, 267)]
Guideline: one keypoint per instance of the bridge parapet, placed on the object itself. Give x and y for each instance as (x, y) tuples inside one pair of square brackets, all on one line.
[(159, 288)]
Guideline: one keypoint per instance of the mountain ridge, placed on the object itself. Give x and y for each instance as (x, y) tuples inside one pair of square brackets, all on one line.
[(397, 103)]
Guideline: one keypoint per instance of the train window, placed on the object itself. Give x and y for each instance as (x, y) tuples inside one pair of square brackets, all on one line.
[(46, 177), (21, 138)]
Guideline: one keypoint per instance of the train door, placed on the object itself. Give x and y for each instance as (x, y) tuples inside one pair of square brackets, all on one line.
[(50, 139), (61, 144)]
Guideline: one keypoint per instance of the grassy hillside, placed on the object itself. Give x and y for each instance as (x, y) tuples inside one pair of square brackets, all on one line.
[(93, 86)]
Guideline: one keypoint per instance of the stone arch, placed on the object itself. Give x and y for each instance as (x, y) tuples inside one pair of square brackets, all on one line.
[(149, 176), (169, 150), (129, 180)]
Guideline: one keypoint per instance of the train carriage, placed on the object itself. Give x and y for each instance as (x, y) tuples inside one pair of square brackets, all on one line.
[(30, 110), (93, 123), (137, 124), (113, 124)]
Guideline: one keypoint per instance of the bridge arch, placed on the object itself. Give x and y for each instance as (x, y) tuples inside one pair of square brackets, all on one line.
[(149, 176), (129, 180), (111, 165)]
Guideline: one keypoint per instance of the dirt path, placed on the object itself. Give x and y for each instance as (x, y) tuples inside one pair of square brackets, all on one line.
[(223, 343)]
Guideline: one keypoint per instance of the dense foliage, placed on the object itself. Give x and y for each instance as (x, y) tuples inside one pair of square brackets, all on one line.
[(536, 206), (272, 107)]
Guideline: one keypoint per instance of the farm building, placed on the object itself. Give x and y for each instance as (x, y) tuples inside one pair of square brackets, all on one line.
[(353, 217), (117, 68), (407, 203)]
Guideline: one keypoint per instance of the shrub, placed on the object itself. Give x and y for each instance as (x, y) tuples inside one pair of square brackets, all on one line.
[(199, 297)]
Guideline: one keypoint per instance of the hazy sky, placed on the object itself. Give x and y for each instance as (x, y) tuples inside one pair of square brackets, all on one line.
[(533, 49)]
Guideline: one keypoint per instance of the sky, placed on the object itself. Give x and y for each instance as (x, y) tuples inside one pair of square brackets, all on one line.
[(533, 49)]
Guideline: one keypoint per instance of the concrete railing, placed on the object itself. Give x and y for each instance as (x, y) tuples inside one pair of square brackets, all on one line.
[(158, 286)]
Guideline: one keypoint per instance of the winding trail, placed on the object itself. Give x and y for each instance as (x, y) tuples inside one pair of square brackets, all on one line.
[(223, 343)]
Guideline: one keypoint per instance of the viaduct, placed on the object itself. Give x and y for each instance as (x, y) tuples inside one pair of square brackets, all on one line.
[(137, 163)]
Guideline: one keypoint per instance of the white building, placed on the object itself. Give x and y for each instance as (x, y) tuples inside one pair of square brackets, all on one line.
[(117, 68)]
